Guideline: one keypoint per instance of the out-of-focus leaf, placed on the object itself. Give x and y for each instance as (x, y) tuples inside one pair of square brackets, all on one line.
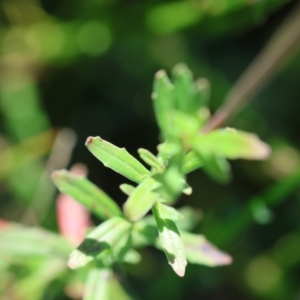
[(184, 127), (96, 286), (117, 159), (168, 150), (190, 218), (141, 199), (101, 284), (34, 285), (187, 189), (172, 182), (18, 241), (127, 189), (132, 257), (170, 239), (174, 213), (217, 167), (163, 101), (232, 144), (151, 160), (86, 193), (102, 239), (202, 93), (184, 89), (144, 232), (192, 161), (200, 251)]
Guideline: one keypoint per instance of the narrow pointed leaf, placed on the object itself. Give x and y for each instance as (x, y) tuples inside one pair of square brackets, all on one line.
[(232, 144), (132, 257), (151, 160), (192, 161), (117, 159), (127, 189), (96, 286), (168, 150), (20, 242), (144, 232), (101, 284), (33, 285), (187, 189), (163, 101), (200, 251), (184, 89), (184, 127), (202, 94), (85, 192), (191, 217), (101, 239), (203, 116), (173, 182), (217, 167), (170, 239), (174, 213), (141, 199)]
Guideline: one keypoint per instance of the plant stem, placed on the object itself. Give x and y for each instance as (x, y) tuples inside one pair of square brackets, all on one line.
[(281, 45)]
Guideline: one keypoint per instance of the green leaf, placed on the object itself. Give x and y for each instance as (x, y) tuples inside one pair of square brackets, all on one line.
[(132, 257), (33, 285), (184, 89), (173, 213), (191, 217), (170, 239), (192, 161), (151, 160), (217, 167), (184, 127), (202, 94), (102, 284), (20, 242), (144, 232), (86, 193), (232, 144), (203, 116), (163, 101), (141, 199), (167, 150), (101, 241), (117, 159), (96, 286), (172, 182), (187, 189), (200, 251), (127, 189)]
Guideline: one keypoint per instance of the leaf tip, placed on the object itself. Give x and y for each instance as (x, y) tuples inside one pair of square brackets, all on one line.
[(54, 175), (160, 74), (76, 260), (57, 174), (178, 266), (89, 140), (265, 151)]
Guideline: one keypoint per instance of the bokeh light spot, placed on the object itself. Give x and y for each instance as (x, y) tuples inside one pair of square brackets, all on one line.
[(263, 274), (45, 38), (168, 18), (94, 38)]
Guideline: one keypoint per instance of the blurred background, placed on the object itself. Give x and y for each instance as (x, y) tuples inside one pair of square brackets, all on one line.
[(71, 69)]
